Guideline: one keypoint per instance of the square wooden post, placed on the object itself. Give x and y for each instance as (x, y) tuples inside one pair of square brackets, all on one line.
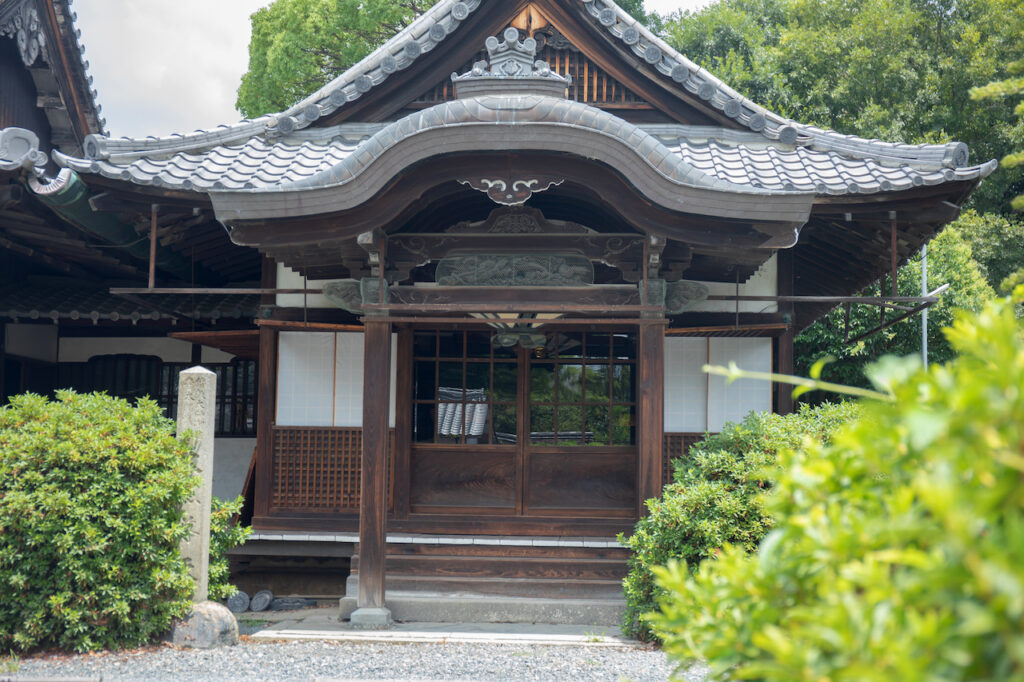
[(265, 409), (784, 348), (373, 494), (650, 400)]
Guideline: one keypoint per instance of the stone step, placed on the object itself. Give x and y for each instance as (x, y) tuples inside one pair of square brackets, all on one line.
[(462, 608), (538, 588)]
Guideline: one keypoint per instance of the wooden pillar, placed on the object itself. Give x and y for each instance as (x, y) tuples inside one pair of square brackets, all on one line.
[(373, 497), (650, 400), (266, 400), (403, 422), (784, 349)]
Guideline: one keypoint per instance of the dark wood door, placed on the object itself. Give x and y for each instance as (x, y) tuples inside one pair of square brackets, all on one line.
[(545, 428)]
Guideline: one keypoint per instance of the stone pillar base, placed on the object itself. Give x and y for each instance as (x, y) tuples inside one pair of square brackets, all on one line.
[(367, 618)]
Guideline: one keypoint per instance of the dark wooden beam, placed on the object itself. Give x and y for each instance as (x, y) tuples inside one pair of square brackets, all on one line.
[(373, 494)]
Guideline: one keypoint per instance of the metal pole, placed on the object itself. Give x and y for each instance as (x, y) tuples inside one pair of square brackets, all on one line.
[(924, 315)]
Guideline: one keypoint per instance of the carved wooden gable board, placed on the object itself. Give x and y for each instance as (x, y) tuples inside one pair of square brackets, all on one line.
[(604, 74)]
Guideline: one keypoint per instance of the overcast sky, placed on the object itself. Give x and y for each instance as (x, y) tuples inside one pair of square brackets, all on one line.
[(172, 66)]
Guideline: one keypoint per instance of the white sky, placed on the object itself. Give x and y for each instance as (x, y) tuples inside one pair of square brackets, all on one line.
[(172, 66)]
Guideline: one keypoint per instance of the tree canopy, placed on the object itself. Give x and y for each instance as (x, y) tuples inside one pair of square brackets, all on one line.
[(897, 70)]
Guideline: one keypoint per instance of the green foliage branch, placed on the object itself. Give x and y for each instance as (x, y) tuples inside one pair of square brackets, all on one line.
[(91, 491), (898, 549), (714, 499), (225, 533)]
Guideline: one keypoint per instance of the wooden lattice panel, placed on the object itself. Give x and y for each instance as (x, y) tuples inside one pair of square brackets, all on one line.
[(316, 469), (590, 84), (675, 446)]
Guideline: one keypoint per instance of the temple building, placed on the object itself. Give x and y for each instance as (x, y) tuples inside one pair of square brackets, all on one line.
[(472, 281)]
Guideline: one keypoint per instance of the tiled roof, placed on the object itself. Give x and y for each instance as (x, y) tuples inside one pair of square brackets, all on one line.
[(742, 159), (45, 299), (442, 21)]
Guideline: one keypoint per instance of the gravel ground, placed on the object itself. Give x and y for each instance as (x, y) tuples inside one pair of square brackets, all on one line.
[(369, 661)]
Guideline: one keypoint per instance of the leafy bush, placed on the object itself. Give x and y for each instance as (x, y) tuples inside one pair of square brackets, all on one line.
[(90, 519), (898, 551), (224, 534), (714, 499)]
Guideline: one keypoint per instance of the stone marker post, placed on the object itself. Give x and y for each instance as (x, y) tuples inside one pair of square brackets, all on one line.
[(197, 397)]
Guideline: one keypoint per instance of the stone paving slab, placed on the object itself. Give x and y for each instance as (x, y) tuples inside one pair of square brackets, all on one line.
[(322, 629)]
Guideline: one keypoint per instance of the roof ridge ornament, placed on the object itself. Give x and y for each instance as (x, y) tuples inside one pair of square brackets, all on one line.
[(511, 68)]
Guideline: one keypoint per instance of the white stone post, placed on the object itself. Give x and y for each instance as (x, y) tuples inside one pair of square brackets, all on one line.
[(197, 397)]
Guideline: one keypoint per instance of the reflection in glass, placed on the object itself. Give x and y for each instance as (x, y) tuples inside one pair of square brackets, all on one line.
[(542, 383), (598, 345), (450, 344), (424, 344), (597, 383), (505, 426), (597, 425), (424, 424), (570, 387), (622, 384), (478, 344), (450, 375), (425, 381), (624, 346), (622, 425), (506, 380), (478, 376), (542, 425), (569, 345), (570, 425)]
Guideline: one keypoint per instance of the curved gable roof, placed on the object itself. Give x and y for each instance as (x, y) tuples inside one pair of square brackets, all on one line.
[(442, 22)]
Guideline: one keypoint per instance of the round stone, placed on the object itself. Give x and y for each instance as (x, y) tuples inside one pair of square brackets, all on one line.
[(460, 11), (388, 65), (261, 600), (680, 73), (364, 83), (733, 108), (652, 54), (787, 135), (238, 602), (631, 35), (413, 49), (757, 122), (607, 16), (706, 90), (438, 33)]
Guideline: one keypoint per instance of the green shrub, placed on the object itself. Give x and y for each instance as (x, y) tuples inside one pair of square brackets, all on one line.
[(224, 534), (898, 551), (90, 519), (714, 499)]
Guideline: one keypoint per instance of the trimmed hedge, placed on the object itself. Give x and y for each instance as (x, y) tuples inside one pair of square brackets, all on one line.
[(90, 520), (715, 499), (898, 551)]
